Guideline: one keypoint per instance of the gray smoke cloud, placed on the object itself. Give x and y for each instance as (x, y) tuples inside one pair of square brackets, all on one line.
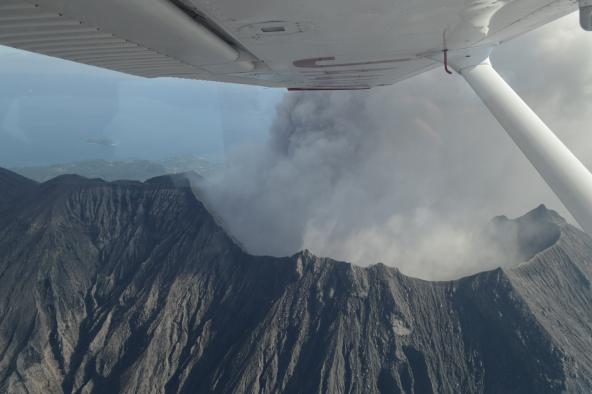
[(406, 175)]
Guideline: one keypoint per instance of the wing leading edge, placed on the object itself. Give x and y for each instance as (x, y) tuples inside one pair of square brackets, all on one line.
[(310, 44)]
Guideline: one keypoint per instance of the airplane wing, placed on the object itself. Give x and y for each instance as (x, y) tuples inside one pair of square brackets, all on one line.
[(298, 44)]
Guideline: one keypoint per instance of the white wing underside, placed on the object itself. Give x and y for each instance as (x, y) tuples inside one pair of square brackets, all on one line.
[(299, 44)]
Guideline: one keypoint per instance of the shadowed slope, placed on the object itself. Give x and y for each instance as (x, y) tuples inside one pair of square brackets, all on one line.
[(133, 287)]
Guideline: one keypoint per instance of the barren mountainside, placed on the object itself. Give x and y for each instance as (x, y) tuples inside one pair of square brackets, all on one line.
[(132, 287)]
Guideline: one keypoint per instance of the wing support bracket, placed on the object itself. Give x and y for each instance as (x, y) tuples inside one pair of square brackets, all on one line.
[(560, 168), (586, 14)]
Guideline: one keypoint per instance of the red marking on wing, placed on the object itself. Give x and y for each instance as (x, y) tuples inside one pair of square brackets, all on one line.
[(314, 89), (314, 62)]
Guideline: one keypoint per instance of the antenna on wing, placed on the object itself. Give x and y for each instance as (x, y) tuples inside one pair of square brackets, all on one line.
[(445, 51), (446, 61)]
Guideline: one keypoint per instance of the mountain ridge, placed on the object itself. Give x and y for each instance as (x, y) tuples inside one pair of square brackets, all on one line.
[(134, 287), (111, 170)]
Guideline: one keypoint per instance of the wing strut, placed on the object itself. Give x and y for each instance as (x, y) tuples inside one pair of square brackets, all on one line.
[(564, 173)]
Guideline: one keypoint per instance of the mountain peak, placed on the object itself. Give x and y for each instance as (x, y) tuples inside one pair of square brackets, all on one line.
[(73, 179), (132, 287), (13, 185), (184, 179), (542, 213)]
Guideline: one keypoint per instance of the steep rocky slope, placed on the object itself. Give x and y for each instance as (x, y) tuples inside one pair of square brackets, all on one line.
[(132, 287)]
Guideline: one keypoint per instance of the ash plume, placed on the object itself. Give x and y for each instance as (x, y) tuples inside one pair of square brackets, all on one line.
[(406, 175)]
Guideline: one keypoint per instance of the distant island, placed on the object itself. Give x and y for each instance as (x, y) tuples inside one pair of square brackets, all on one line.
[(108, 170)]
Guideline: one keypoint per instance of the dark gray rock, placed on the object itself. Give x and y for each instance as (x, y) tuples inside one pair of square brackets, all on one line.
[(13, 185), (132, 287)]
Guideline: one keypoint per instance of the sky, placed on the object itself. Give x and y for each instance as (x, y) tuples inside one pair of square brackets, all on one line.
[(50, 109), (405, 175)]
